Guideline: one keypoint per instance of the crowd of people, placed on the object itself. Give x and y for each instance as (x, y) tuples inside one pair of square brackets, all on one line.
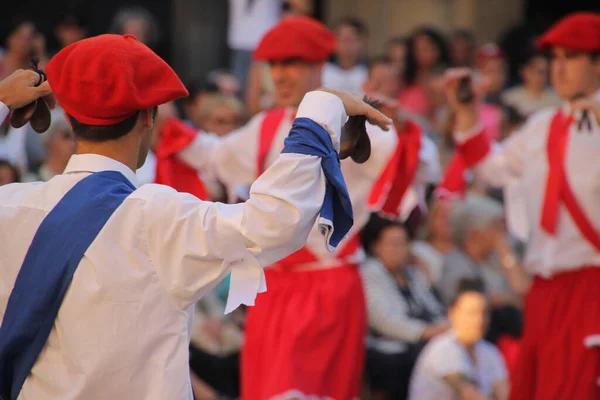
[(442, 281)]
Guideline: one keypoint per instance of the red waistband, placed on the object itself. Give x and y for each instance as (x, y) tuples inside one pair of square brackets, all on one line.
[(311, 266)]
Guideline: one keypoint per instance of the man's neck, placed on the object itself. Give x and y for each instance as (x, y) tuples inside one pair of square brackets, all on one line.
[(346, 63), (475, 253), (111, 149), (534, 92), (442, 245)]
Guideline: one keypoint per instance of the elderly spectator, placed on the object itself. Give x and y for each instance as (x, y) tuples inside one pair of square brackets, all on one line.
[(483, 252), (59, 143), (139, 22), (437, 241), (535, 93), (401, 308), (460, 364), (8, 173), (345, 71), (199, 90), (70, 29), (21, 43)]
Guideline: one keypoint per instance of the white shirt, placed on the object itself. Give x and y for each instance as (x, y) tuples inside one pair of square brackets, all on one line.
[(123, 329), (349, 80), (250, 20), (444, 356), (13, 148), (521, 164)]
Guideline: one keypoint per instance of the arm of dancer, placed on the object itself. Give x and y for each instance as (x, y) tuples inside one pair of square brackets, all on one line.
[(206, 240)]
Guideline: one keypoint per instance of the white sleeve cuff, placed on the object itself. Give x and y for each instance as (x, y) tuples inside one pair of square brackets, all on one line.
[(4, 110), (327, 110), (462, 137)]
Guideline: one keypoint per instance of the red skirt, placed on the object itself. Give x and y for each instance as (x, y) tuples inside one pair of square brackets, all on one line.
[(559, 357), (305, 336)]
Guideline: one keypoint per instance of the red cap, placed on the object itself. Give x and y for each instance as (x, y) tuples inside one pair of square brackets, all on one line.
[(105, 79), (296, 37), (579, 31), (487, 52)]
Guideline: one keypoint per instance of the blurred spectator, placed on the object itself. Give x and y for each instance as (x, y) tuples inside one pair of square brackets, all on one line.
[(249, 20), (395, 51), (401, 308), (491, 63), (426, 49), (199, 91), (21, 43), (437, 240), (59, 143), (70, 29), (534, 93), (8, 173), (13, 146), (460, 364), (139, 22), (381, 78), (462, 48), (225, 82), (345, 70), (220, 114)]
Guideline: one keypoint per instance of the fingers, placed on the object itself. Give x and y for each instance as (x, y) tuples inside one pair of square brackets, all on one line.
[(376, 117), (44, 89)]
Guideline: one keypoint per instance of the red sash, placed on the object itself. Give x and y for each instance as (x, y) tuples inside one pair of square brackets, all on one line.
[(400, 172), (268, 130), (557, 184), (174, 137)]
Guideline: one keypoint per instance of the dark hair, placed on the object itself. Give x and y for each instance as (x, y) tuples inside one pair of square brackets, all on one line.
[(15, 171), (410, 73), (468, 285), (464, 34), (373, 229), (199, 86), (359, 27), (396, 40), (98, 133), (531, 55), (72, 19), (513, 116)]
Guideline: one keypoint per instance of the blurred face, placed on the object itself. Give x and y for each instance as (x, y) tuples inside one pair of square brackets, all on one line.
[(535, 73), (573, 73), (427, 53), (392, 248), (436, 91), (493, 73), (137, 28), (21, 40), (7, 175), (221, 121), (349, 43), (193, 109), (62, 145), (462, 51), (439, 221), (293, 79), (468, 317), (384, 79), (397, 55), (68, 34)]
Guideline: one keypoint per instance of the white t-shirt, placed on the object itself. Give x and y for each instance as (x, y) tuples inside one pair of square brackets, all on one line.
[(348, 80), (250, 20), (445, 356)]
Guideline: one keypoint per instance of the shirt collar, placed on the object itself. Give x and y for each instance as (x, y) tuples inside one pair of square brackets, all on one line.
[(566, 108), (96, 163)]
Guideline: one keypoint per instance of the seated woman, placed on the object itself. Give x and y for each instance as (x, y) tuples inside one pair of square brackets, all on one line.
[(402, 311)]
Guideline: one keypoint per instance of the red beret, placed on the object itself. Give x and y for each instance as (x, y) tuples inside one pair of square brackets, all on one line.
[(296, 37), (105, 79), (487, 52), (578, 31)]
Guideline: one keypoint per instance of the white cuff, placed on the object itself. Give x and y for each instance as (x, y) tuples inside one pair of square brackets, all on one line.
[(4, 110), (247, 280), (327, 110), (461, 137)]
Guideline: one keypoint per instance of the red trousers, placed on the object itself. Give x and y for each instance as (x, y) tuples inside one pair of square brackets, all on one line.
[(559, 358), (305, 336)]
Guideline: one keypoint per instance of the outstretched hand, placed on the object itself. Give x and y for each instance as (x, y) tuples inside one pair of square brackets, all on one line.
[(18, 89), (355, 105)]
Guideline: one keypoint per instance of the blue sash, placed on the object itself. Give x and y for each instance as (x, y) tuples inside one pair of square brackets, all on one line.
[(308, 137), (53, 256)]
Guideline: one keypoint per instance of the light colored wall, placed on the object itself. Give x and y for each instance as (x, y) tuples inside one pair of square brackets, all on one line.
[(386, 18)]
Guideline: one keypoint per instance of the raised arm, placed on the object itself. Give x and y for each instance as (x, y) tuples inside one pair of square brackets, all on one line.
[(195, 244)]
